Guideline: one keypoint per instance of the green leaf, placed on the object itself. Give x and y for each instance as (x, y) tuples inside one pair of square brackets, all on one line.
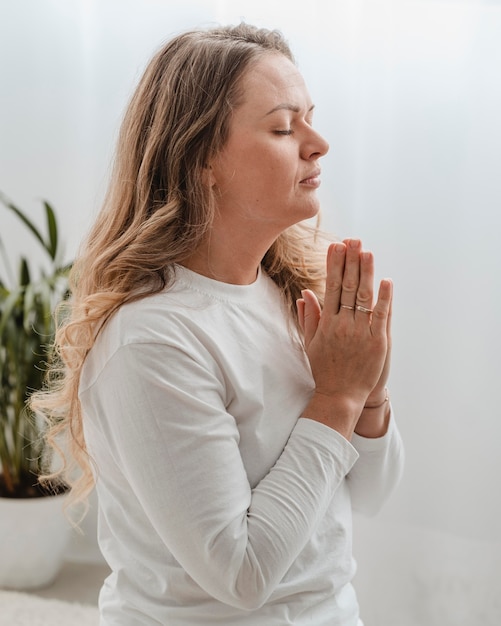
[(28, 306), (26, 338), (5, 258), (63, 270), (7, 308), (52, 230), (45, 301), (24, 273), (24, 218)]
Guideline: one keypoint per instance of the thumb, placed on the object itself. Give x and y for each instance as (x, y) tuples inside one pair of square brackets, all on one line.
[(300, 313), (311, 315)]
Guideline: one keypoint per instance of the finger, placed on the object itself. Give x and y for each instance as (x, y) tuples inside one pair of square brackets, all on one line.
[(365, 293), (351, 276), (335, 268), (382, 308), (388, 321), (300, 312), (311, 315)]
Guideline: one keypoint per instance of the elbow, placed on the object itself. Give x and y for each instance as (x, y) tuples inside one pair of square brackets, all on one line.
[(250, 594), (249, 590), (371, 504), (249, 601)]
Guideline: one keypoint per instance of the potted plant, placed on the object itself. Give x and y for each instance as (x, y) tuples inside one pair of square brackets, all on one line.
[(31, 516)]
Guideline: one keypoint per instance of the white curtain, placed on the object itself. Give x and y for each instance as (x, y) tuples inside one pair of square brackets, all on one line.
[(409, 96)]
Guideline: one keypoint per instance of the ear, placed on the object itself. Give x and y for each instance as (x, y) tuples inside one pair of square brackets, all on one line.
[(208, 177)]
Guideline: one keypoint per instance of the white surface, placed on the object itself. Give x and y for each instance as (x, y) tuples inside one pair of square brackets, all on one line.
[(417, 576), (33, 537), (21, 609)]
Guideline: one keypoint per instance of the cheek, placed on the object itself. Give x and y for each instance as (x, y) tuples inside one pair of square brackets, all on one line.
[(256, 165), (272, 164)]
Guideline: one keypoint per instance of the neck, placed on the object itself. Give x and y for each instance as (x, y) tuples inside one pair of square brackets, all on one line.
[(226, 257), (227, 268)]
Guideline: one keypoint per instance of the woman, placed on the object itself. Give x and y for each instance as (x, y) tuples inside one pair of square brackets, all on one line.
[(229, 433)]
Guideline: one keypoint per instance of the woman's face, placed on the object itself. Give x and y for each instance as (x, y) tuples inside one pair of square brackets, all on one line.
[(267, 174)]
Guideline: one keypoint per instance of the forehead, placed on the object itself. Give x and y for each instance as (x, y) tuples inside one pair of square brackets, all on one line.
[(271, 80)]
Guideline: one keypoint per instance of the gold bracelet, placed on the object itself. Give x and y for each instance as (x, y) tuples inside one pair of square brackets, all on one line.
[(378, 406)]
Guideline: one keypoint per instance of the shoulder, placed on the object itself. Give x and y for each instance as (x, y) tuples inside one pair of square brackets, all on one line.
[(158, 321), (159, 318), (201, 319)]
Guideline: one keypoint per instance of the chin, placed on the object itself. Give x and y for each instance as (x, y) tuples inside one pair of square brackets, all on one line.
[(313, 211), (303, 215)]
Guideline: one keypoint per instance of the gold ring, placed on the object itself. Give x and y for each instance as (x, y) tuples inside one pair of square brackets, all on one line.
[(362, 309), (346, 306)]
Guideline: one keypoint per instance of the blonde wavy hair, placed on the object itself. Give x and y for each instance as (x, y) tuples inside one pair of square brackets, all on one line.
[(157, 211)]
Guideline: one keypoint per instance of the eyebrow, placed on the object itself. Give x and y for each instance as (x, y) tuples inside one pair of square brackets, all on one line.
[(288, 107)]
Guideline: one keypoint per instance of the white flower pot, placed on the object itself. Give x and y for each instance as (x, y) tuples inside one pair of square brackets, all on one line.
[(33, 536)]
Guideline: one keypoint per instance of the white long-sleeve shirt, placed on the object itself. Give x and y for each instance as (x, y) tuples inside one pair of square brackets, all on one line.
[(219, 503)]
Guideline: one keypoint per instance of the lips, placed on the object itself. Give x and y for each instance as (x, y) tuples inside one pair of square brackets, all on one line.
[(312, 179)]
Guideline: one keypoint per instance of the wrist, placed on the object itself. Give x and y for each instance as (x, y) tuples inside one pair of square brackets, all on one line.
[(338, 412), (374, 420), (375, 403)]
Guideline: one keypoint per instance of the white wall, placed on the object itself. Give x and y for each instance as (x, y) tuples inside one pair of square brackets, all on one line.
[(408, 94)]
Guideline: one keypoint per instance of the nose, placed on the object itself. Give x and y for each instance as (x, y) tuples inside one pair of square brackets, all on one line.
[(315, 146)]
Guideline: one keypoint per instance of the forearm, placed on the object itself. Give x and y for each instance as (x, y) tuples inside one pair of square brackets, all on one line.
[(341, 413), (336, 412), (182, 461), (374, 419), (378, 469)]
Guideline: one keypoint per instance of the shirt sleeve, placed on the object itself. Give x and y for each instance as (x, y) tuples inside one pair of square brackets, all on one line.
[(377, 470), (162, 414)]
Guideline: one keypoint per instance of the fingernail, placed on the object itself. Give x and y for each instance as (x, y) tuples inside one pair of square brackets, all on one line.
[(339, 248), (354, 243)]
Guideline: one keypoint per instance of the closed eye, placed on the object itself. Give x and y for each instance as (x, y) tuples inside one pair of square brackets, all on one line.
[(283, 132)]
